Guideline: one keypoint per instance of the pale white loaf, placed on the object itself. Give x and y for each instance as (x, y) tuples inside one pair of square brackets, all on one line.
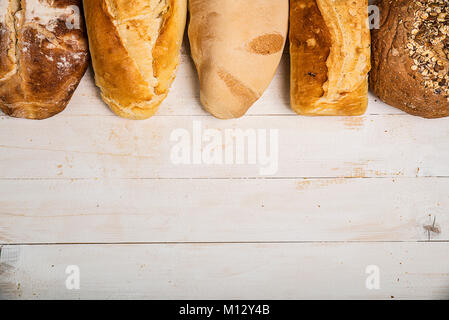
[(236, 46)]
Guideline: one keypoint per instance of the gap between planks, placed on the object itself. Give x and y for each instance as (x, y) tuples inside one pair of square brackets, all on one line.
[(223, 178), (180, 243)]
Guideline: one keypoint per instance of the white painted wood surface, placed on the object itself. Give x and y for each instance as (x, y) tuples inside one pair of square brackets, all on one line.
[(228, 271), (207, 210), (90, 189)]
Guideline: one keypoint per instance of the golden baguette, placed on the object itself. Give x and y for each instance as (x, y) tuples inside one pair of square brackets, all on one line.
[(135, 48)]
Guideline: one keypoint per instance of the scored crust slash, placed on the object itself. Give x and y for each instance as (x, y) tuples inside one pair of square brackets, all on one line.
[(135, 48)]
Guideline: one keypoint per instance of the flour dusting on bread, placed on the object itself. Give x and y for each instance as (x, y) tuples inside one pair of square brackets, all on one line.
[(43, 57)]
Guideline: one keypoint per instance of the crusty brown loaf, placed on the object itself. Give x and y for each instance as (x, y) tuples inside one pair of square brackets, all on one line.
[(40, 72), (135, 48), (410, 56), (330, 57), (236, 46)]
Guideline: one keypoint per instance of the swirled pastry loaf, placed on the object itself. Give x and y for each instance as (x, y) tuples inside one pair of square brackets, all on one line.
[(330, 57)]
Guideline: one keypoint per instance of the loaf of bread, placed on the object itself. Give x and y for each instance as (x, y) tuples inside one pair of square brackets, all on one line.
[(236, 46), (330, 57), (43, 56), (411, 56), (135, 48)]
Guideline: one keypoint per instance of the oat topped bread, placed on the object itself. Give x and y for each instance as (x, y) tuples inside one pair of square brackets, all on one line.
[(411, 56), (428, 44)]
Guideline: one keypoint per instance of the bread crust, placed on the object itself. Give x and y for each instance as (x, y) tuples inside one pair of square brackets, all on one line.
[(135, 48), (330, 57), (392, 79), (236, 46), (43, 55)]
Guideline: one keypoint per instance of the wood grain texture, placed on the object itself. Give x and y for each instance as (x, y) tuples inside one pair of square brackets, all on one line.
[(349, 192), (110, 147), (227, 271), (184, 210), (88, 141)]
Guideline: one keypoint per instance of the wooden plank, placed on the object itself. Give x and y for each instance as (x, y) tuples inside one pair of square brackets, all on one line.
[(110, 147), (223, 210), (184, 96), (223, 231), (228, 271)]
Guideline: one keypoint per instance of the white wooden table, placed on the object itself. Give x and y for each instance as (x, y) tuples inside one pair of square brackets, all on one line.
[(92, 190)]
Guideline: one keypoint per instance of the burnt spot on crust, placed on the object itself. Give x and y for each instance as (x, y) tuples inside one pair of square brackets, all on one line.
[(238, 88), (266, 44), (310, 38)]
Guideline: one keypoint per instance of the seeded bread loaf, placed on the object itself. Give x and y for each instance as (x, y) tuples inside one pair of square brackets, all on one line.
[(236, 46), (330, 57), (411, 56), (135, 48), (43, 56)]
